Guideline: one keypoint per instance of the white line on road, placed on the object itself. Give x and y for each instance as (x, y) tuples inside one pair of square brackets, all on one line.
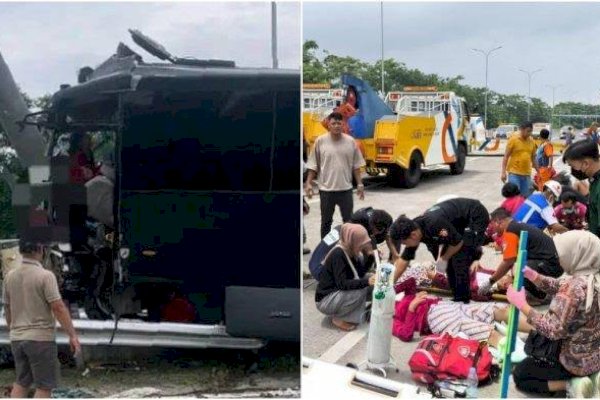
[(338, 350)]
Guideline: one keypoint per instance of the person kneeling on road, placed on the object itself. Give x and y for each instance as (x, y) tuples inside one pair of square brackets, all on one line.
[(541, 252), (573, 318), (344, 284), (376, 222), (538, 209), (459, 226)]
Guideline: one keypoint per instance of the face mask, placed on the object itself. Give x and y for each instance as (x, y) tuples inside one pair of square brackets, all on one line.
[(578, 174), (568, 210)]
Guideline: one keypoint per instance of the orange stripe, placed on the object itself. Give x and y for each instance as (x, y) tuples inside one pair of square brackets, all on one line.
[(447, 158)]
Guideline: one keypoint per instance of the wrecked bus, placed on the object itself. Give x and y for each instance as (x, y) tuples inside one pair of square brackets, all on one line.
[(202, 217)]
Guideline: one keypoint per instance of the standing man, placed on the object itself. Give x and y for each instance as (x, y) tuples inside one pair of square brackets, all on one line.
[(335, 159), (519, 158), (33, 302), (458, 225), (541, 252), (592, 132), (584, 160)]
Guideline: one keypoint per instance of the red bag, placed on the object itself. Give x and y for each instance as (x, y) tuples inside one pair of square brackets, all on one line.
[(441, 357)]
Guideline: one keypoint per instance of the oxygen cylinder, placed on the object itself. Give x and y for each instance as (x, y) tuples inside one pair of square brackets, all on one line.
[(382, 312)]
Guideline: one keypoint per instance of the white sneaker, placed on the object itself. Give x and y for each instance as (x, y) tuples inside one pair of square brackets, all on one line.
[(580, 388)]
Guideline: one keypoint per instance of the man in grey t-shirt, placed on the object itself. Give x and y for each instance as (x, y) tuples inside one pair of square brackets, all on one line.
[(33, 304), (334, 160)]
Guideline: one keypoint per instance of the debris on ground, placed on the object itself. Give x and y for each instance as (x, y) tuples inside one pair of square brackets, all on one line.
[(138, 393), (78, 393)]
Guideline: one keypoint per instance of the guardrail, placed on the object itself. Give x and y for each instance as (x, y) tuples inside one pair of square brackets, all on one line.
[(134, 333)]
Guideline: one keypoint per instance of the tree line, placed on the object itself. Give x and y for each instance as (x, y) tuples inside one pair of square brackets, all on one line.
[(502, 108)]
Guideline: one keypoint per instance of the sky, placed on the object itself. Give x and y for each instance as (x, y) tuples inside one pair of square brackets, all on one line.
[(45, 44), (560, 38)]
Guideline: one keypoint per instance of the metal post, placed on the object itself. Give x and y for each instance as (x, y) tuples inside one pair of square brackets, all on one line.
[(487, 56), (274, 34), (382, 60), (529, 76), (553, 87)]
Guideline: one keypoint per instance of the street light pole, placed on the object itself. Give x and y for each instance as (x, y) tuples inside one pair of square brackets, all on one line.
[(553, 87), (274, 34), (382, 70), (487, 56), (529, 75)]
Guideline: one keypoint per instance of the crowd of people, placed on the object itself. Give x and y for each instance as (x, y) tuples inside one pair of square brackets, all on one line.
[(560, 213)]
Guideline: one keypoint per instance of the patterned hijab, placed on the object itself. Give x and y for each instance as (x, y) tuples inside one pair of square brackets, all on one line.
[(579, 255)]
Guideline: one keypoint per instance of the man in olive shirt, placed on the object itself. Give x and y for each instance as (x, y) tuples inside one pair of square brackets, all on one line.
[(584, 159), (519, 158), (335, 159), (32, 302)]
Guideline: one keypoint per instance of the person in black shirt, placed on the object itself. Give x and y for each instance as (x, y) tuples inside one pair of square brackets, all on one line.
[(342, 290), (541, 252), (376, 222), (457, 225)]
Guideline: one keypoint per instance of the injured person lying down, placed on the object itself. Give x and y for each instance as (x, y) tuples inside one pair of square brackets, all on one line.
[(418, 311)]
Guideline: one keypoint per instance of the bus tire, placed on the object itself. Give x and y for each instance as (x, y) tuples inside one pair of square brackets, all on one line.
[(458, 167)]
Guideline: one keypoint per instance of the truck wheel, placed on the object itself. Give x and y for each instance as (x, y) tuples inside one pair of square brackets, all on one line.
[(407, 178), (458, 167)]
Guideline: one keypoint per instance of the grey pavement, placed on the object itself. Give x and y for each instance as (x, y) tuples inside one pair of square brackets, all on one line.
[(480, 180)]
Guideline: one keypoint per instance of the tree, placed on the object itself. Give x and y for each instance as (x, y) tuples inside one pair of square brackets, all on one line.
[(511, 108)]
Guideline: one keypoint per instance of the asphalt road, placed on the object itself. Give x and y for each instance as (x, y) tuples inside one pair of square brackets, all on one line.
[(480, 180)]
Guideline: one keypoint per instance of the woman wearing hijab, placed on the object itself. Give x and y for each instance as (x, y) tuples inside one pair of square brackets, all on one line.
[(573, 318), (343, 284)]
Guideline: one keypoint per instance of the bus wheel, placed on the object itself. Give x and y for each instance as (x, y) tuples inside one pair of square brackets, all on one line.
[(458, 167)]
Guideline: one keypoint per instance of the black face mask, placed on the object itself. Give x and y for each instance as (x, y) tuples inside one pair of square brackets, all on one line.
[(578, 174)]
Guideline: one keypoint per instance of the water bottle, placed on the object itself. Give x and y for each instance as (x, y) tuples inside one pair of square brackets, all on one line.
[(472, 382)]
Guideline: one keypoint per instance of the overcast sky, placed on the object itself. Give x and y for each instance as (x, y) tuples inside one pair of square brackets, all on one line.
[(45, 44), (561, 38)]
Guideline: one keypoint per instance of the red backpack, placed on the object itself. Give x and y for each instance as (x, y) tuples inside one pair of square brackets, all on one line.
[(443, 357)]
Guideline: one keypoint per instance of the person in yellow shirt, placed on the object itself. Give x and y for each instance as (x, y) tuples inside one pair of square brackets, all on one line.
[(519, 159)]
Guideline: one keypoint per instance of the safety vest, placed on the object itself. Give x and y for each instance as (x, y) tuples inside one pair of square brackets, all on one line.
[(530, 211)]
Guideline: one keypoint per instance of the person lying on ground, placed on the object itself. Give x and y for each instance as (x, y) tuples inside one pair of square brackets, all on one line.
[(343, 283), (426, 276), (376, 222), (420, 312), (573, 317), (570, 212), (457, 225), (541, 252), (538, 209)]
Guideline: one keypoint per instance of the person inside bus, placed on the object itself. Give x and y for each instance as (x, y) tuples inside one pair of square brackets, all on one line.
[(344, 283), (82, 166)]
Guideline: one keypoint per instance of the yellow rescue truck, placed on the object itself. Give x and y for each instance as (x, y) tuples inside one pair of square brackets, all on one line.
[(429, 128)]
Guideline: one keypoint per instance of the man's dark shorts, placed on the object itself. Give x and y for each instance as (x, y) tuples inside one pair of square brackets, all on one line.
[(36, 362)]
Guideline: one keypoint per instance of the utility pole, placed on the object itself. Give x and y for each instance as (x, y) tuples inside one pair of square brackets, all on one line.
[(487, 56), (529, 76), (274, 34), (553, 87), (382, 69)]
